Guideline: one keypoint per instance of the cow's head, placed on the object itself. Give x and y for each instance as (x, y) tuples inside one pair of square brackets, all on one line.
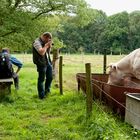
[(115, 75)]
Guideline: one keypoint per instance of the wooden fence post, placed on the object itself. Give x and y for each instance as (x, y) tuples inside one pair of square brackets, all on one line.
[(104, 62), (60, 75), (89, 95)]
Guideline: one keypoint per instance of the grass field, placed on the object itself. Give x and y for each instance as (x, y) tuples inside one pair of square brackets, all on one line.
[(59, 117)]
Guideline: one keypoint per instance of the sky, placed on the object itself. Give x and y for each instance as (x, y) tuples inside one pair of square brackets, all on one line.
[(111, 7)]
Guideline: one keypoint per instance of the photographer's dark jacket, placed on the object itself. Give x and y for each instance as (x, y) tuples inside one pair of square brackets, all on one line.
[(38, 59)]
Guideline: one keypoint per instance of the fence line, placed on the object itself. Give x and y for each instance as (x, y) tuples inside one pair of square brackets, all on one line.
[(28, 58), (83, 78), (116, 101)]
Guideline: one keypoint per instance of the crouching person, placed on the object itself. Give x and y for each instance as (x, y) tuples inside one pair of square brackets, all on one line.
[(9, 60)]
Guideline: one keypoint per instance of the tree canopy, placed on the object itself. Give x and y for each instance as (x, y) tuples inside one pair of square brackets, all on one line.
[(72, 23)]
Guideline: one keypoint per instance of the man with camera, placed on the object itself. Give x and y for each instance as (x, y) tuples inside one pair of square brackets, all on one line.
[(41, 57)]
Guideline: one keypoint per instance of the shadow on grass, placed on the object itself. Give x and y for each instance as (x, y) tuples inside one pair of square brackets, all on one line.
[(7, 99)]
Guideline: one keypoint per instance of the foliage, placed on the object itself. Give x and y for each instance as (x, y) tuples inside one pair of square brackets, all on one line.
[(75, 36), (27, 19), (134, 30), (118, 33), (74, 25)]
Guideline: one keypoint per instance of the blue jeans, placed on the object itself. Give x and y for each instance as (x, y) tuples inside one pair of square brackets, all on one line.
[(44, 72)]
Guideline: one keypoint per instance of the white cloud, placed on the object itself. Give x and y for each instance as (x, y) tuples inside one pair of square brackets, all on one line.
[(114, 6)]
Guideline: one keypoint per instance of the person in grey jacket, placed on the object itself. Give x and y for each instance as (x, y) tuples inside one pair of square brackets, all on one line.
[(41, 57)]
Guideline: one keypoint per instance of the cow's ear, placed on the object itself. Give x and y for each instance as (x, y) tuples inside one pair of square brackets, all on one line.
[(114, 67)]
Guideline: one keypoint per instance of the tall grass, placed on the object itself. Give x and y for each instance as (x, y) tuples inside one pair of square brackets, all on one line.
[(24, 116)]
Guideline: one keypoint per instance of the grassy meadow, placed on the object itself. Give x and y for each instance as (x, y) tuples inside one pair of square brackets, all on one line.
[(59, 117)]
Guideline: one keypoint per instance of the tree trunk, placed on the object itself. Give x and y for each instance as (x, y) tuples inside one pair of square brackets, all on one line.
[(55, 63)]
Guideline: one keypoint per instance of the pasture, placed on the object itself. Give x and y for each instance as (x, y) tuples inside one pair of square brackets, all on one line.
[(59, 117)]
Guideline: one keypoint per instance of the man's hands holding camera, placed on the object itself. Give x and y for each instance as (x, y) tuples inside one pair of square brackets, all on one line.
[(49, 44)]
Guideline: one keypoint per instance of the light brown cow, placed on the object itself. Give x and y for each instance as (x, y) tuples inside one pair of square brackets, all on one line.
[(121, 72)]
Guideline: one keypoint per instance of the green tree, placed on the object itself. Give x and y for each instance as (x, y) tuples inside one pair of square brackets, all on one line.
[(23, 20), (134, 30), (115, 35), (84, 34)]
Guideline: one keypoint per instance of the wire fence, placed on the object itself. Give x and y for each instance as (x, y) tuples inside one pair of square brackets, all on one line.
[(76, 64), (72, 62), (93, 84), (25, 58)]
